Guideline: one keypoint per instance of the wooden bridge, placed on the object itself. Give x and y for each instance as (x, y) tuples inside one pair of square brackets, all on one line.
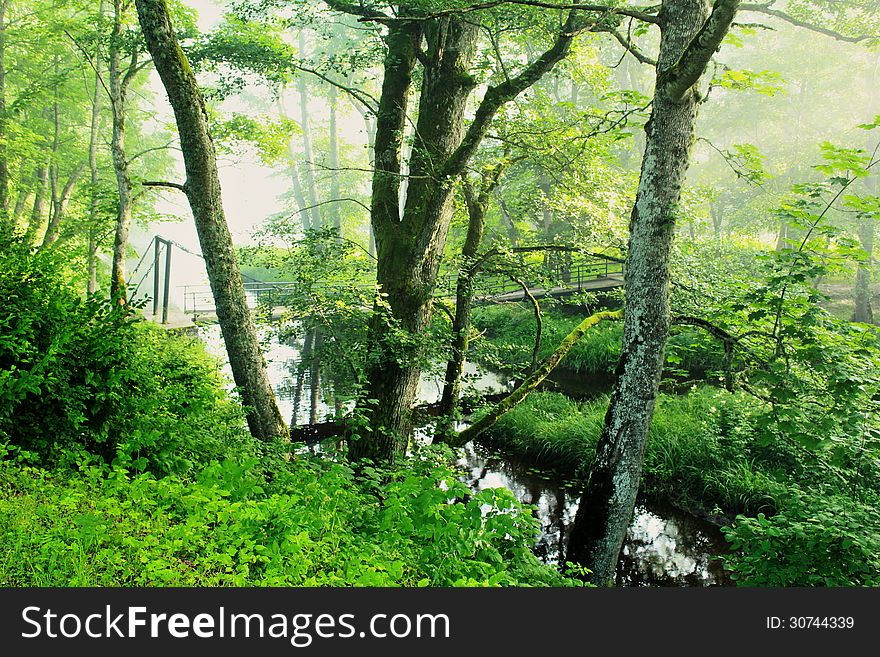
[(587, 274)]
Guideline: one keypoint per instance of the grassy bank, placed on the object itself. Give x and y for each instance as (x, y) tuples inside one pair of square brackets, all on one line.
[(790, 520), (509, 332)]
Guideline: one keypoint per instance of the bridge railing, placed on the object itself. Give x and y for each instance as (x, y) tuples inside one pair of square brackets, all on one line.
[(562, 277)]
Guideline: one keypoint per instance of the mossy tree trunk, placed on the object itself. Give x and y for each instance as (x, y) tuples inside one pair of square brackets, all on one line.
[(688, 40), (409, 244), (534, 379), (202, 188)]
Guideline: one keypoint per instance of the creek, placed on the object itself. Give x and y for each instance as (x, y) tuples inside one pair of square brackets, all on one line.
[(663, 547)]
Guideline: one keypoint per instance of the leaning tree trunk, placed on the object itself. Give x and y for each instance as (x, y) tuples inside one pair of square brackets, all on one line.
[(203, 192), (688, 41)]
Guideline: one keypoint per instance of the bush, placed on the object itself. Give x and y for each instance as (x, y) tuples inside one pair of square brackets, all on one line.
[(814, 540), (84, 375)]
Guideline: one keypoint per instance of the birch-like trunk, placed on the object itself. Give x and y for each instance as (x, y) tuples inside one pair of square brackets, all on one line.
[(118, 93), (202, 188)]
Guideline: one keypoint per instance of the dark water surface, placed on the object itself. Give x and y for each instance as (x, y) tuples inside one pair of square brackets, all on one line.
[(663, 547)]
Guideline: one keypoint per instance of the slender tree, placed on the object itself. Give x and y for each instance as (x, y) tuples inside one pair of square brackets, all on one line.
[(202, 189)]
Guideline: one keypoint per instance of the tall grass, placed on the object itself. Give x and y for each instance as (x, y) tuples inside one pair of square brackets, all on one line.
[(694, 459), (509, 332)]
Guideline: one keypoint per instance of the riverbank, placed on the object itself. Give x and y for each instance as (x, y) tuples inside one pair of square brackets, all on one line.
[(707, 456)]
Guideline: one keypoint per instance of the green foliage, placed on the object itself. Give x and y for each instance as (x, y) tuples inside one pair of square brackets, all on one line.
[(815, 540), (84, 374), (123, 462), (795, 523), (700, 455), (312, 523)]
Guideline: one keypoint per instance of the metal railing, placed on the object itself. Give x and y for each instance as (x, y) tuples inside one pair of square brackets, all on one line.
[(563, 278)]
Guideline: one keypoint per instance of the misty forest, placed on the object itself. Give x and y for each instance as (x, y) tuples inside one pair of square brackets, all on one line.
[(439, 293)]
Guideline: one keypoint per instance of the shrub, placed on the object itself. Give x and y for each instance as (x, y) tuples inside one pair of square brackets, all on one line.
[(84, 375), (312, 524), (815, 539)]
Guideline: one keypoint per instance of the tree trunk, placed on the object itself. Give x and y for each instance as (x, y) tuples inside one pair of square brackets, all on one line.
[(687, 43), (863, 311), (308, 175), (202, 188), (59, 205), (333, 208), (477, 207), (39, 207), (512, 232), (534, 379), (118, 93), (94, 174), (409, 248), (315, 376), (6, 226)]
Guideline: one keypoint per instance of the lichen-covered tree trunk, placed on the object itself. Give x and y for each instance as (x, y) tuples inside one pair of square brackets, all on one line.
[(688, 40), (202, 188)]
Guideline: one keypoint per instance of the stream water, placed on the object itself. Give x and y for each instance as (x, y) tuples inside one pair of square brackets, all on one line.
[(663, 547)]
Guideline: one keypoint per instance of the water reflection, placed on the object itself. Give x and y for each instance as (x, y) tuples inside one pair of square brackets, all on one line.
[(663, 547)]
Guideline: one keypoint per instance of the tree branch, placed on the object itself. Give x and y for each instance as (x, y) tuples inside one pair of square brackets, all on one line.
[(630, 46), (767, 10), (539, 323), (357, 9), (534, 379), (646, 14), (674, 82), (170, 185), (508, 90), (365, 99)]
